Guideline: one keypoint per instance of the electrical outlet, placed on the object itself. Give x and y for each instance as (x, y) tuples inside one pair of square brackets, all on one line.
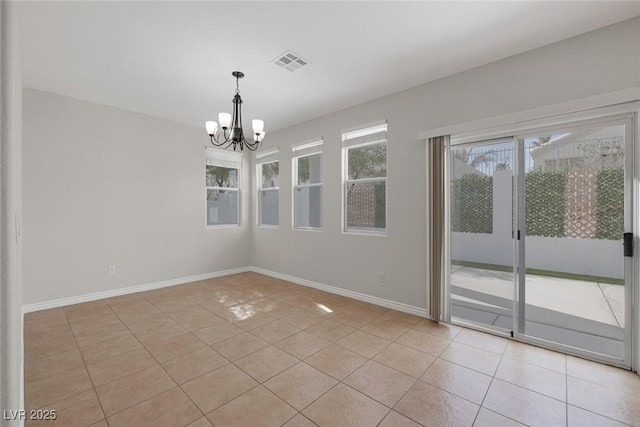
[(112, 270), (381, 277)]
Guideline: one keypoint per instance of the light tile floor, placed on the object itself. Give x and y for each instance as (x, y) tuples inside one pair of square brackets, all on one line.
[(250, 350)]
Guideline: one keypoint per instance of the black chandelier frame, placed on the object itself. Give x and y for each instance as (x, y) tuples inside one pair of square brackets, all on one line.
[(233, 135)]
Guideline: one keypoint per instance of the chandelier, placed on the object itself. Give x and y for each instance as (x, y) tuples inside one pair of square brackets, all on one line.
[(232, 133)]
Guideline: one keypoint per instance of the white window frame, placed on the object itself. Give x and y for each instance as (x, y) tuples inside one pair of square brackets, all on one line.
[(227, 159), (373, 133), (300, 151), (264, 158)]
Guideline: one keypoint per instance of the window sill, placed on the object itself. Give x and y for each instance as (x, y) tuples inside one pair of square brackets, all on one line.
[(219, 226), (365, 233), (312, 229)]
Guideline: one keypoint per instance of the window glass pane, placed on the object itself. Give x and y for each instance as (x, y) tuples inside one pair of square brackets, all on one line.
[(270, 174), (222, 207), (369, 161), (366, 205), (268, 202), (219, 176), (310, 169), (308, 205)]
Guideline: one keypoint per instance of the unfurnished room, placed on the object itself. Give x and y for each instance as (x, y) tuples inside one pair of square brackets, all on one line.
[(319, 213)]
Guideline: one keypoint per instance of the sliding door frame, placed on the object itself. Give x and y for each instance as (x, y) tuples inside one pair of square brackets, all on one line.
[(625, 113), (625, 120), (447, 245)]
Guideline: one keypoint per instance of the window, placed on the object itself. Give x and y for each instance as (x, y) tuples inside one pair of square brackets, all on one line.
[(307, 185), (268, 173), (365, 179), (222, 187)]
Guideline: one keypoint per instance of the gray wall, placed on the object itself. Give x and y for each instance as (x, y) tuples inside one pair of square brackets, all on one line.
[(104, 186), (11, 397), (595, 63)]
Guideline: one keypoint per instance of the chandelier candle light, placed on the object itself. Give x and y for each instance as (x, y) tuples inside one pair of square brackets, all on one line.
[(232, 133)]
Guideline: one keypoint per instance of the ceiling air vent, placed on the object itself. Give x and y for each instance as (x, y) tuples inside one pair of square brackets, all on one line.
[(290, 61)]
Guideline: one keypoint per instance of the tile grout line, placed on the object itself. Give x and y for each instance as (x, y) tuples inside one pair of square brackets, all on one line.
[(341, 381), (229, 362), (356, 369), (371, 359), (95, 392), (249, 331), (360, 328), (179, 386), (493, 377), (258, 383), (158, 363)]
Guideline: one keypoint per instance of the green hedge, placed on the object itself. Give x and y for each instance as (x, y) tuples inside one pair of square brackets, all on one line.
[(472, 204), (544, 196), (610, 204)]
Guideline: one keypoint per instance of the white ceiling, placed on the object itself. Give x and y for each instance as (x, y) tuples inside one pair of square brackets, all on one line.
[(174, 59)]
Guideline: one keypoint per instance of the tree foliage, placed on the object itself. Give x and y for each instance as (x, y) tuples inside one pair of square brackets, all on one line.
[(219, 176), (369, 161), (270, 174), (472, 159)]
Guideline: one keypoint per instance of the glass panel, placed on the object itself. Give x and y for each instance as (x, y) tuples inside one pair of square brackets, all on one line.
[(369, 161), (222, 207), (310, 169), (308, 206), (268, 202), (574, 221), (481, 194), (366, 205), (270, 173), (219, 176)]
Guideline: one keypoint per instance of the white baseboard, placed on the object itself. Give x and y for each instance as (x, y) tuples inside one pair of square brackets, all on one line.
[(405, 308), (128, 290)]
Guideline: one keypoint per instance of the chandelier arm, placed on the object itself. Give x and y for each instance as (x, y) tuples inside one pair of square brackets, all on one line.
[(217, 143), (227, 142), (253, 146)]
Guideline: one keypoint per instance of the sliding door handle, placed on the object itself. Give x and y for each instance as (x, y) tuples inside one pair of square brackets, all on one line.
[(628, 244)]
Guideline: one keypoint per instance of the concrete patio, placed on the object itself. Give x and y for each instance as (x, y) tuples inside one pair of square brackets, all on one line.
[(583, 314)]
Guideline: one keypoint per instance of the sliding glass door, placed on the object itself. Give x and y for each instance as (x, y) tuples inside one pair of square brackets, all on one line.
[(575, 185), (536, 245), (481, 203)]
